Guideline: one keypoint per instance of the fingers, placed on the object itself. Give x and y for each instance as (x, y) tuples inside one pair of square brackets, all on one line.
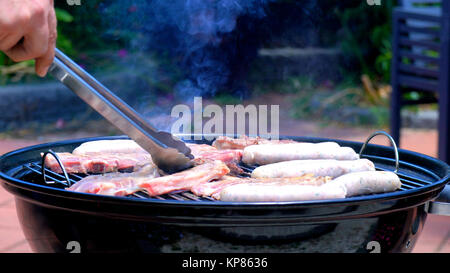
[(33, 35), (43, 63), (9, 40), (34, 45)]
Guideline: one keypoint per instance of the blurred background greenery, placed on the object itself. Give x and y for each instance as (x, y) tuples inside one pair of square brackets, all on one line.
[(361, 33)]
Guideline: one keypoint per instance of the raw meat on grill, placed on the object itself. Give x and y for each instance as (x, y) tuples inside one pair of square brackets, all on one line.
[(204, 152), (290, 171), (208, 189), (224, 142), (127, 184), (127, 156), (117, 183), (98, 163), (127, 146), (208, 152), (113, 146)]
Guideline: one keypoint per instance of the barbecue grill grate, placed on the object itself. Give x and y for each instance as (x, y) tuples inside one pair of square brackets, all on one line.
[(64, 180), (59, 180)]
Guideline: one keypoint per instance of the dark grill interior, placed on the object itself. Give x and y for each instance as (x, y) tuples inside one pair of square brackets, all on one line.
[(32, 172)]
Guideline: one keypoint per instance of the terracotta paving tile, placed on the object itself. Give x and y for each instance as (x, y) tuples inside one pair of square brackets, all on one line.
[(435, 236), (8, 218), (7, 145), (10, 237), (445, 246), (6, 198), (420, 141), (19, 247)]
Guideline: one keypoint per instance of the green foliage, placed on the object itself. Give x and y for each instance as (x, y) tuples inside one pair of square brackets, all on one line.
[(365, 38), (344, 105), (14, 72), (63, 16), (78, 32), (63, 42)]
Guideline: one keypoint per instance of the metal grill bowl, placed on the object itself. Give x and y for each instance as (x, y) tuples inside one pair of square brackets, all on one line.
[(53, 218)]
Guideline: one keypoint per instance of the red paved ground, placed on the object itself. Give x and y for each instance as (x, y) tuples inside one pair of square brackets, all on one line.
[(435, 237)]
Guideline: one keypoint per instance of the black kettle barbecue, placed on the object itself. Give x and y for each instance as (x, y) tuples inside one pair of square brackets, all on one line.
[(53, 219)]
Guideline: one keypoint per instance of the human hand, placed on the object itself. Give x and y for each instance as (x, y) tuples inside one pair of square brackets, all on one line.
[(28, 31)]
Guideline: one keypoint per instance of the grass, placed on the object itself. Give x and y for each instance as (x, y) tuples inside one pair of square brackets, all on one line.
[(345, 103)]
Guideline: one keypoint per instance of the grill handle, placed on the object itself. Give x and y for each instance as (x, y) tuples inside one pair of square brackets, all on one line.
[(392, 142), (441, 205)]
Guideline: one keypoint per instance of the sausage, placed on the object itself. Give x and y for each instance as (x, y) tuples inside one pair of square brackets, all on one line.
[(327, 167), (360, 183), (272, 153), (213, 189), (268, 192), (348, 185)]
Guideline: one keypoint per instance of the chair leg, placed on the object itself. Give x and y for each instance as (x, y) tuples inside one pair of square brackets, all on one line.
[(444, 121), (444, 129), (395, 118), (395, 103), (444, 86)]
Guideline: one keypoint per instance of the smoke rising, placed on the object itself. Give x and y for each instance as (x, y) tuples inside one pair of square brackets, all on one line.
[(202, 38)]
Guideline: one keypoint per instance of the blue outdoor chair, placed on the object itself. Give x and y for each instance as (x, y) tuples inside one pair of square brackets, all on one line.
[(420, 62)]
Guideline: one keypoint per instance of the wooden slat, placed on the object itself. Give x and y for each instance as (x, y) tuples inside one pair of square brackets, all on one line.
[(418, 57), (444, 86), (420, 101), (404, 28), (418, 70), (402, 14), (419, 83), (428, 44)]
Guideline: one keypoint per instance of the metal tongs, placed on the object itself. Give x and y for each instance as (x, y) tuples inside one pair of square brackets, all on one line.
[(168, 152)]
